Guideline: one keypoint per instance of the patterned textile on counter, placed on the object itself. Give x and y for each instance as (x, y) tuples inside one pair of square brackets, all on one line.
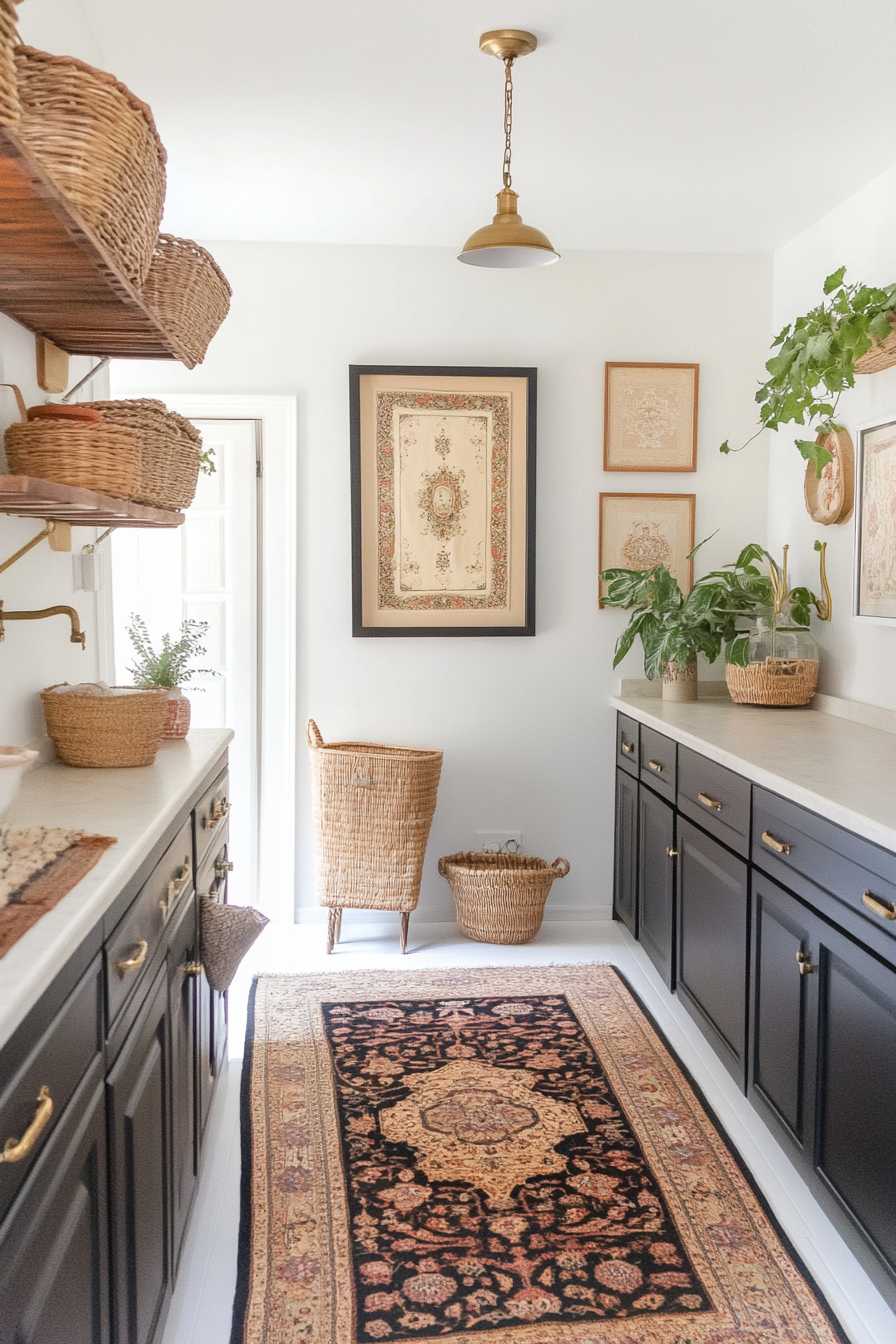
[(38, 866)]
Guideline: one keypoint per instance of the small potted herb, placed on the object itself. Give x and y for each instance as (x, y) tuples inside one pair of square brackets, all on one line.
[(169, 668)]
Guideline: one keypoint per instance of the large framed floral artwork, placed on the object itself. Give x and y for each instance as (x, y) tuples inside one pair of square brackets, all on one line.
[(650, 417), (875, 596), (443, 500)]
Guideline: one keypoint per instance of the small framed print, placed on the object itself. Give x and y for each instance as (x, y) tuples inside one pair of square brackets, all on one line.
[(640, 531), (443, 500), (650, 417), (875, 568)]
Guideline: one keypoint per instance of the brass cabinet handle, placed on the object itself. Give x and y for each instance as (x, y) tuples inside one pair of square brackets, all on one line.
[(777, 845), (177, 884), (804, 961), (15, 1149), (163, 906), (628, 747), (709, 802), (131, 963), (673, 853), (222, 866), (191, 968), (887, 909), (655, 767)]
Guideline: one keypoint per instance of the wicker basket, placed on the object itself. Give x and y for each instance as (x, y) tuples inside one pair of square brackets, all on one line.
[(170, 448), (100, 457), (100, 146), (373, 807), (105, 730), (500, 897), (189, 292), (882, 354), (776, 681), (9, 91)]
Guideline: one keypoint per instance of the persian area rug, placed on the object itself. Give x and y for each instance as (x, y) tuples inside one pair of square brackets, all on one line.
[(508, 1156)]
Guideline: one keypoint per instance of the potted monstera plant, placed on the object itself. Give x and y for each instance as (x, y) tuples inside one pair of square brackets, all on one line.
[(169, 668)]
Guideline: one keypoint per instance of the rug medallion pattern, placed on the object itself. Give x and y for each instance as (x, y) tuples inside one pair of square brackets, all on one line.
[(503, 1155)]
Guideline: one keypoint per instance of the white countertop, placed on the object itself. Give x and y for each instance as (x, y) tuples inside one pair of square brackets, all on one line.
[(844, 770), (134, 805)]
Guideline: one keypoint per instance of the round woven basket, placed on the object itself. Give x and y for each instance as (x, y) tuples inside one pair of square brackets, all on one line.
[(776, 681), (102, 457), (100, 146), (170, 448), (500, 898), (9, 91), (105, 730), (190, 293), (882, 354)]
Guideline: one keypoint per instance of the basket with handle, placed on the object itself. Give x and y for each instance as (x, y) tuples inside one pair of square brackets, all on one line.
[(373, 808), (170, 450), (190, 293), (500, 898)]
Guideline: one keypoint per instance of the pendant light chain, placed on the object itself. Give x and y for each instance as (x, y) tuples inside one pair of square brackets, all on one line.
[(508, 116)]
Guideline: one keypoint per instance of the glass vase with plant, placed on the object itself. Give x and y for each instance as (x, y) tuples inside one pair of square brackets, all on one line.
[(169, 667)]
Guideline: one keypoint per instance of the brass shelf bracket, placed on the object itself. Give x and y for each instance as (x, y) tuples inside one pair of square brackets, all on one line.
[(59, 536)]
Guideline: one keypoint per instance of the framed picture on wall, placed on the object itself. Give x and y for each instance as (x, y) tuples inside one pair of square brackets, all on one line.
[(650, 417), (875, 567), (443, 500), (640, 531)]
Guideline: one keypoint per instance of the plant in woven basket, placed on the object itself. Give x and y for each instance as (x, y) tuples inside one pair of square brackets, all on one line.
[(170, 666), (816, 361)]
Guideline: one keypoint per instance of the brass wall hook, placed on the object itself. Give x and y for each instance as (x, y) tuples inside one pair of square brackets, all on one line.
[(825, 605)]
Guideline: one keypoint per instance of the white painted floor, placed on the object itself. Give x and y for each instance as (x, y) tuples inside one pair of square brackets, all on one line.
[(201, 1309)]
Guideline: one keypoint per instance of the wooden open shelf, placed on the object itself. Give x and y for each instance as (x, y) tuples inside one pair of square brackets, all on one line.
[(27, 497), (57, 278)]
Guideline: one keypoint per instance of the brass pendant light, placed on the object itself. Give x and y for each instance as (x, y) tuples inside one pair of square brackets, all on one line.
[(507, 241)]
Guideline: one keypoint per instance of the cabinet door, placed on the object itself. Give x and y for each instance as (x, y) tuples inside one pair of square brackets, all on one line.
[(625, 871), (656, 883), (182, 954), (140, 1172), (54, 1286), (713, 930)]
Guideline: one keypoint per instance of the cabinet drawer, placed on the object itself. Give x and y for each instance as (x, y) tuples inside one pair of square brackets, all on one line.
[(628, 743), (716, 798), (212, 874), (131, 947), (658, 762), (57, 1064), (790, 843), (209, 815)]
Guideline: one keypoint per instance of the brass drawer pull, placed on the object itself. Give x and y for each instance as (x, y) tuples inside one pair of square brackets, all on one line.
[(673, 853), (15, 1149), (628, 747), (191, 968), (709, 802), (222, 866), (131, 963), (777, 845), (804, 961), (887, 909), (218, 813), (177, 884), (655, 767)]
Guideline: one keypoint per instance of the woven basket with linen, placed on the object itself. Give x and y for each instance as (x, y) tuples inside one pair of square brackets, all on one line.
[(226, 932), (100, 456), (170, 448), (776, 681), (105, 730), (189, 292), (100, 146), (9, 91), (500, 898), (373, 807)]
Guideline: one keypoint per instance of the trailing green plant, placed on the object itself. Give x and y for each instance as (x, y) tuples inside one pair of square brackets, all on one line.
[(207, 462), (169, 667), (816, 361)]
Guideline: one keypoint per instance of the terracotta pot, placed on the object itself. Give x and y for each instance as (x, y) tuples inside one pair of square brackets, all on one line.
[(177, 716), (680, 681)]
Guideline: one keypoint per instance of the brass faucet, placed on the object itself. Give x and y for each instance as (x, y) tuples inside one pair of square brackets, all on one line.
[(77, 636)]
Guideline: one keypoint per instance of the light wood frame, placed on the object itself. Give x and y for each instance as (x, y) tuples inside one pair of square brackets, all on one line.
[(656, 465)]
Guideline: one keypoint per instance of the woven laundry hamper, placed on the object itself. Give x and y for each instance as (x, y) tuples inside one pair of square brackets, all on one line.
[(373, 807), (170, 450), (500, 898)]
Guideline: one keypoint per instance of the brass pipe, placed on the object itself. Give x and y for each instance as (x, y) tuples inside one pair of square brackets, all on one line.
[(77, 636)]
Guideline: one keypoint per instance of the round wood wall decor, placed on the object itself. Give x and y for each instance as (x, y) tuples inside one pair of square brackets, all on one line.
[(830, 498)]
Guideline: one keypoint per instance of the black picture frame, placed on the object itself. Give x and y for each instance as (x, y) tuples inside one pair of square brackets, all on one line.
[(429, 626)]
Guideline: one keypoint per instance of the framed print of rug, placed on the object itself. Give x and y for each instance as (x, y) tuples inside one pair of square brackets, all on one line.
[(639, 531), (443, 500), (650, 417), (875, 597)]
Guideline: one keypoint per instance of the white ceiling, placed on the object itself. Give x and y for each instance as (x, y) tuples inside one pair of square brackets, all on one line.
[(701, 125)]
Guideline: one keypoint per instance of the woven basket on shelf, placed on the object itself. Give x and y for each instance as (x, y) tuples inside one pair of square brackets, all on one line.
[(776, 681), (9, 92), (100, 456), (500, 897), (105, 730), (170, 448), (882, 354), (189, 292), (100, 145)]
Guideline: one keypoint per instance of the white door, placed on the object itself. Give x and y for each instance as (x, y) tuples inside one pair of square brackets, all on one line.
[(208, 571)]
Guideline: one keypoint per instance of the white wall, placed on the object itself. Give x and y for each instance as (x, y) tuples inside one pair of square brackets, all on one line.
[(857, 658), (524, 723), (37, 653)]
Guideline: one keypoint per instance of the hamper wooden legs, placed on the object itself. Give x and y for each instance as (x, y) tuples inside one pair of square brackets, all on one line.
[(339, 924), (404, 932), (334, 928)]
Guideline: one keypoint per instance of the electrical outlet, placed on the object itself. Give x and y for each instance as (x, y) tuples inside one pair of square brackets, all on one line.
[(490, 842)]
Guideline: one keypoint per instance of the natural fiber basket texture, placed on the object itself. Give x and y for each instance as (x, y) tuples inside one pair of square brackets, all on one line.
[(9, 92), (170, 448), (100, 146), (105, 730), (882, 354), (373, 807), (226, 932), (500, 897), (776, 681), (102, 457), (189, 292)]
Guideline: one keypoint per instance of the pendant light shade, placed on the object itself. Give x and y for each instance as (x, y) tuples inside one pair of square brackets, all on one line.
[(507, 242)]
